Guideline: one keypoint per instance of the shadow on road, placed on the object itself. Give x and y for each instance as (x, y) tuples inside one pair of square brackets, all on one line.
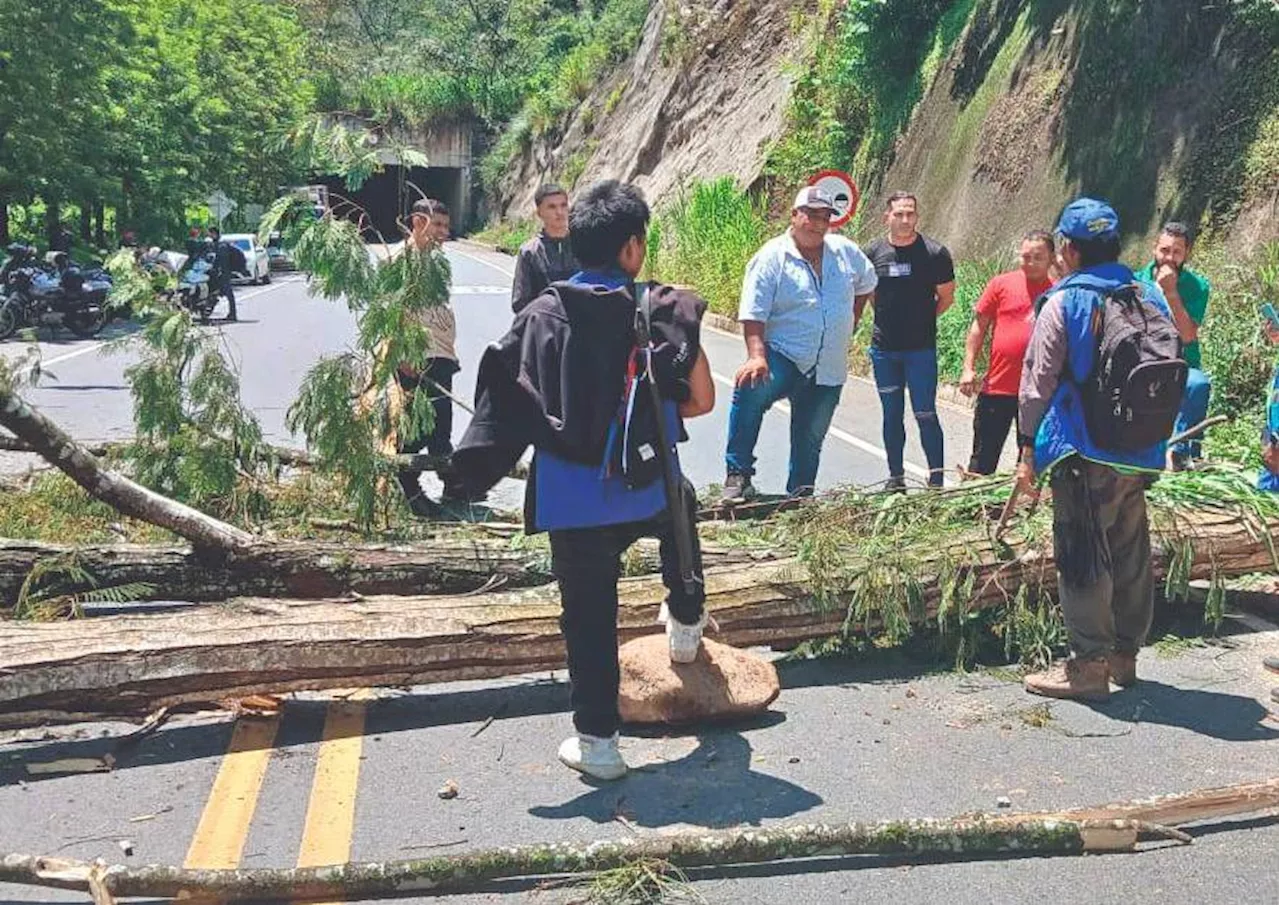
[(713, 785), (1229, 717)]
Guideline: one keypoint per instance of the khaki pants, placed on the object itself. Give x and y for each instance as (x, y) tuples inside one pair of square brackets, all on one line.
[(1103, 550)]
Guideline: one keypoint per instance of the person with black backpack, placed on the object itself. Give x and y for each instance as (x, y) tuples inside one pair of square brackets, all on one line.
[(597, 373), (227, 262), (1101, 388)]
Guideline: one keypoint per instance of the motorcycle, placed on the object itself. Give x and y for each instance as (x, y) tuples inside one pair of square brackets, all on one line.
[(196, 288), (36, 294)]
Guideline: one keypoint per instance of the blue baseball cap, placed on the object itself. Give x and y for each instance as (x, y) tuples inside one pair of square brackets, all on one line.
[(1089, 218)]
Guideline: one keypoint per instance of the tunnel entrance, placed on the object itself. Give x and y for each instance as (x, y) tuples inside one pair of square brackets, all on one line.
[(387, 197)]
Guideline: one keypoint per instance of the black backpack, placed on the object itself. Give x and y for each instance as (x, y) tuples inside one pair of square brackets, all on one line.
[(236, 260), (1132, 396)]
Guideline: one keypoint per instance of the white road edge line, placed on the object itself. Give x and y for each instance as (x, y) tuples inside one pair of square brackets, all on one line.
[(239, 298), (836, 432)]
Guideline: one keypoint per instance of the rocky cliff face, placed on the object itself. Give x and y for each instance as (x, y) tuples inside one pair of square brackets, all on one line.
[(1167, 109), (704, 95)]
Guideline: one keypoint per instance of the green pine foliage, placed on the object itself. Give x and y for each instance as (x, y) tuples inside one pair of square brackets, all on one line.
[(346, 404), (58, 587), (194, 440)]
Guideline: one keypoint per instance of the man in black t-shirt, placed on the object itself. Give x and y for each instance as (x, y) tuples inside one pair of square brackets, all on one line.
[(916, 284)]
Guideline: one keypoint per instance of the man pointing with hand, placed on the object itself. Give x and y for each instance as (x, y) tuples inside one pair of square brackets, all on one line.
[(797, 314)]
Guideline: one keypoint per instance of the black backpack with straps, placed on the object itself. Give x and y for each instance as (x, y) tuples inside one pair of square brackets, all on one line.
[(1133, 394)]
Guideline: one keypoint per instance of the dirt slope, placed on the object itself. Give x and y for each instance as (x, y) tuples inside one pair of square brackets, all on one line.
[(705, 94)]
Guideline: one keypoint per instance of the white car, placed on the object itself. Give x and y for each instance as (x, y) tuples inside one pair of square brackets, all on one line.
[(255, 256)]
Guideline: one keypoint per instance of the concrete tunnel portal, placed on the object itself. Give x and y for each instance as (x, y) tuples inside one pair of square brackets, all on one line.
[(387, 196)]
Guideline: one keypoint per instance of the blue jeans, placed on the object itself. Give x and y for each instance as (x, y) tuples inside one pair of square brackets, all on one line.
[(917, 371), (812, 407), (1195, 408)]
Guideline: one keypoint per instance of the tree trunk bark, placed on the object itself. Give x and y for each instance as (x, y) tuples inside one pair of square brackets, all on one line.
[(100, 224), (312, 570), (86, 222), (52, 221), (960, 839), (130, 498), (4, 222), (133, 664)]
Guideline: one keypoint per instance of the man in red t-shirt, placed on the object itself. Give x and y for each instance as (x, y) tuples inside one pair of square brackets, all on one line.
[(1008, 303)]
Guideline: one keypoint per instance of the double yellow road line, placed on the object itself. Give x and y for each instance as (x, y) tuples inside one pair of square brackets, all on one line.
[(326, 838)]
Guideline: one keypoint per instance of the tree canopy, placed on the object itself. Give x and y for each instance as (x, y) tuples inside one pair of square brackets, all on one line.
[(146, 105)]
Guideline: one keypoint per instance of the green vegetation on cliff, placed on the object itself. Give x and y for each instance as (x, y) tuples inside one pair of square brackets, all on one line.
[(1168, 110)]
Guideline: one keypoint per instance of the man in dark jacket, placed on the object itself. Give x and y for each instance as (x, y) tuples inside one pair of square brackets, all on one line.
[(563, 380), (223, 270), (548, 256)]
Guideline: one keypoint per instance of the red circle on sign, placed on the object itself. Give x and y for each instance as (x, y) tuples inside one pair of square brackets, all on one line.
[(843, 189)]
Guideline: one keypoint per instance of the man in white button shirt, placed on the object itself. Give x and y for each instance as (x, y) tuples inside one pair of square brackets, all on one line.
[(797, 314)]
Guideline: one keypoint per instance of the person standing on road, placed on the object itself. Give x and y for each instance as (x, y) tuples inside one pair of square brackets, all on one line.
[(1268, 477), (1187, 293), (224, 269), (1100, 336), (917, 283), (429, 228), (799, 295), (547, 257), (571, 379), (1007, 304)]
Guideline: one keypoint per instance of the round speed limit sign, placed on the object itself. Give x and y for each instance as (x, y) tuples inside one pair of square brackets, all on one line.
[(840, 186)]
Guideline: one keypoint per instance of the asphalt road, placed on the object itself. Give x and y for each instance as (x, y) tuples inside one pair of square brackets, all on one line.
[(874, 738), (282, 331)]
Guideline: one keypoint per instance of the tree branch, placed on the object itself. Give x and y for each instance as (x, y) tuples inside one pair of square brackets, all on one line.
[(956, 839), (130, 498)]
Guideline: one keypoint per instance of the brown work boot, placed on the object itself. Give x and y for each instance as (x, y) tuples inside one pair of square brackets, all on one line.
[(1084, 680), (1124, 667)]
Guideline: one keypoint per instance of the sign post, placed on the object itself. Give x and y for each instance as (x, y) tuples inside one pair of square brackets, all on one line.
[(220, 205), (843, 190)]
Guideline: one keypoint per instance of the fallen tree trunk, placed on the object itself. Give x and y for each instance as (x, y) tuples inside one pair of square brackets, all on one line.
[(311, 570), (284, 455), (130, 498), (960, 839), (133, 664)]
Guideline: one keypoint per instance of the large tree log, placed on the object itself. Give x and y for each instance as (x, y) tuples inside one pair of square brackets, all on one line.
[(965, 838), (130, 498), (313, 570), (133, 664)]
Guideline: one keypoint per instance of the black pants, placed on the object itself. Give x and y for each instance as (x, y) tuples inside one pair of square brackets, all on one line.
[(992, 418), (439, 441), (229, 293), (587, 563)]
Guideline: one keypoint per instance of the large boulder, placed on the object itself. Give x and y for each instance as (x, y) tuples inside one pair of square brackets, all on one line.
[(723, 683)]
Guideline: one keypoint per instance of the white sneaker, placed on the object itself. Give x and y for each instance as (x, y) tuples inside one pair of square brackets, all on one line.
[(598, 757), (684, 640)]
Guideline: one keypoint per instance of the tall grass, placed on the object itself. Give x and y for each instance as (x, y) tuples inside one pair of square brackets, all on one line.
[(705, 238)]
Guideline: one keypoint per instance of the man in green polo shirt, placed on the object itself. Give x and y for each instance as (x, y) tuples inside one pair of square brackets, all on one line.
[(1187, 293)]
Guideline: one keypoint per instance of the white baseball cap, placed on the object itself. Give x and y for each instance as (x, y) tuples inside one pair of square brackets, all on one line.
[(813, 196)]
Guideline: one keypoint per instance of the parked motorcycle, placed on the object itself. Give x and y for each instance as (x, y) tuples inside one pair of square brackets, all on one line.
[(57, 294), (196, 291)]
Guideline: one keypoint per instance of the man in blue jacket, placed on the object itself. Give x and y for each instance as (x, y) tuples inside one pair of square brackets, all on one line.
[(1101, 540)]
